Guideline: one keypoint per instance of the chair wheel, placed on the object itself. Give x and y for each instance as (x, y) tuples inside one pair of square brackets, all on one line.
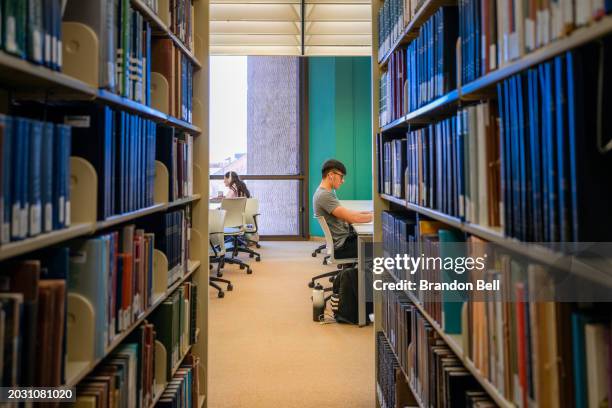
[(325, 262), (257, 246), (311, 284), (230, 287), (251, 255), (242, 266), (314, 254), (221, 294), (258, 259), (249, 271), (219, 274)]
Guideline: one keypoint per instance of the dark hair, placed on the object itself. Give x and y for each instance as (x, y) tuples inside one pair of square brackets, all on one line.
[(237, 185), (332, 164)]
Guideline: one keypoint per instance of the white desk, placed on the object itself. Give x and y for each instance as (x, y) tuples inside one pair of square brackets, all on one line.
[(365, 234)]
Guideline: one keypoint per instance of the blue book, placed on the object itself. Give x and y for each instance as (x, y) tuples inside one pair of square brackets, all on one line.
[(47, 170), (544, 92), (551, 170), (148, 63), (62, 178), (524, 181), (535, 155), (562, 150), (608, 6), (514, 161), (34, 175), (6, 177), (19, 188), (572, 129)]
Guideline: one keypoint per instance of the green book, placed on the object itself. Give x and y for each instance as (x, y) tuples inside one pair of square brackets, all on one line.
[(14, 24), (452, 246), (35, 42)]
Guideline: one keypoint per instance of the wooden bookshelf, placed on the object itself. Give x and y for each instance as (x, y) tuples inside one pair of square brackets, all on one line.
[(159, 29), (485, 86), (23, 80), (420, 403), (454, 343), (411, 31), (533, 251), (86, 369)]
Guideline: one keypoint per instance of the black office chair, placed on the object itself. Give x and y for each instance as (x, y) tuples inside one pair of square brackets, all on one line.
[(329, 243)]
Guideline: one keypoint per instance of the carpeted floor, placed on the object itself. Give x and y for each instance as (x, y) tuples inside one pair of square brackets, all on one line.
[(265, 350)]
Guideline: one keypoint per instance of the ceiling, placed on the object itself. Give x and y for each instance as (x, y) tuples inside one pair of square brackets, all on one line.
[(276, 27)]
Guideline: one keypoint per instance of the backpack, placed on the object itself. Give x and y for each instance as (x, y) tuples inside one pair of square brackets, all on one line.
[(343, 300)]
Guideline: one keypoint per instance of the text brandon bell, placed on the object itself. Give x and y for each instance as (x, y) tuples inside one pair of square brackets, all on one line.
[(425, 285)]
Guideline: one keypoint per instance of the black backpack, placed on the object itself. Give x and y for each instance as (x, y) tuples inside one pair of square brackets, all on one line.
[(344, 296)]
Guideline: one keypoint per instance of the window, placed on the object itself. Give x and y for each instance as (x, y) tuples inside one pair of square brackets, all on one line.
[(255, 131)]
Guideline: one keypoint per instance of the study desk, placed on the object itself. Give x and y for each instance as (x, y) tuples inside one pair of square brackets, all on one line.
[(365, 234)]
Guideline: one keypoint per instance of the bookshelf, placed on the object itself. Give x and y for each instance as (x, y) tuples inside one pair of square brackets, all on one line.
[(454, 102), (484, 86), (25, 82)]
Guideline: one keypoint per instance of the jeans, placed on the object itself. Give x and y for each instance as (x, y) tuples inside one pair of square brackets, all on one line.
[(348, 249)]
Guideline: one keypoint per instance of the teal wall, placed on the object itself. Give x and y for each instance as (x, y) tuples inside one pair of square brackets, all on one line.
[(340, 124)]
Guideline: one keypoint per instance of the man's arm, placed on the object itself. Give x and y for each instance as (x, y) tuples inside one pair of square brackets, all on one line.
[(350, 216)]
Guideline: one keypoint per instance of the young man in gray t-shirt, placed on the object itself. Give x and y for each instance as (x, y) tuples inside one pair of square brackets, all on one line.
[(326, 204)]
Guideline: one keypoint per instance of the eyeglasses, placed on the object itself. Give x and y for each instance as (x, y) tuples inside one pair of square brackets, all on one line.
[(339, 174)]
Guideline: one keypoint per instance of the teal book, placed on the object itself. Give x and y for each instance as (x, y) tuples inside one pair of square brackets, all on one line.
[(14, 26), (451, 246), (579, 322), (34, 34)]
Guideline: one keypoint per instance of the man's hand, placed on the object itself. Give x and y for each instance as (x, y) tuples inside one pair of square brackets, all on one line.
[(352, 217)]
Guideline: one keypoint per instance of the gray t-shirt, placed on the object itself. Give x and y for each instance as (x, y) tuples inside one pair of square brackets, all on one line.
[(324, 202)]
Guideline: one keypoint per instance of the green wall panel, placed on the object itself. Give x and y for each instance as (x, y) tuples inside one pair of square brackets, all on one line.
[(340, 124)]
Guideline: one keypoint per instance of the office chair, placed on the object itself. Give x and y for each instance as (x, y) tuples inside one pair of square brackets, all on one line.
[(320, 249), (251, 235), (233, 228), (216, 252), (329, 243)]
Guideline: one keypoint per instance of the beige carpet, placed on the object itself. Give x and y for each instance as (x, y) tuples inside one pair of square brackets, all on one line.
[(265, 350)]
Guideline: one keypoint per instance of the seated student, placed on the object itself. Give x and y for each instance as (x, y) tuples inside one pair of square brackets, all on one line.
[(326, 204), (236, 187)]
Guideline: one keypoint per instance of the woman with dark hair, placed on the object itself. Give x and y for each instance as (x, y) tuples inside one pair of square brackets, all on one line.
[(236, 187)]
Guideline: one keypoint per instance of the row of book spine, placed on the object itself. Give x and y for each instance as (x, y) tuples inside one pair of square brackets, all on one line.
[(393, 17), (494, 33), (177, 69), (173, 229), (533, 162), (126, 377), (424, 70), (176, 320), (35, 175), (536, 353), (183, 389), (121, 148), (387, 369), (181, 17), (129, 53), (175, 151), (434, 372), (32, 30)]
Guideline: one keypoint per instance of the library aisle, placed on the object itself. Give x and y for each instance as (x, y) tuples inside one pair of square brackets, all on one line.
[(265, 350)]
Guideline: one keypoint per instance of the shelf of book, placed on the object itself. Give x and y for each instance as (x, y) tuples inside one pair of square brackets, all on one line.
[(43, 240), (160, 388), (80, 370), (531, 250), (411, 31), (454, 343), (578, 37), (485, 85), (416, 396), (160, 28)]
